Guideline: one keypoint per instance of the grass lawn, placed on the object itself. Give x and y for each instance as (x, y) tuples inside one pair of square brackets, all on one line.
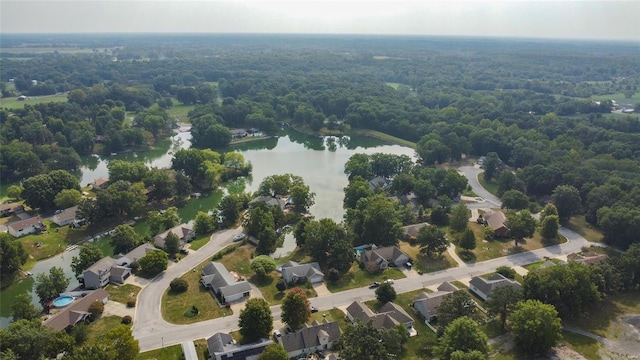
[(13, 103), (173, 352), (334, 314), (619, 98), (104, 324), (122, 293), (536, 265), (179, 111), (174, 306), (51, 242), (424, 263), (202, 349), (357, 277), (239, 260), (600, 320), (587, 347), (490, 186), (199, 242), (385, 137), (582, 227)]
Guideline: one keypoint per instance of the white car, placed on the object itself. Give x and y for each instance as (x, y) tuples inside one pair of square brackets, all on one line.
[(389, 281), (239, 237)]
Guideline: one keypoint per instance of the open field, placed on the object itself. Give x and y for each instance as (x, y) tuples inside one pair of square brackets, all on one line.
[(173, 352), (422, 262), (122, 293), (582, 227), (490, 186), (180, 111), (357, 277), (199, 242), (601, 320), (13, 103), (386, 137), (619, 98)]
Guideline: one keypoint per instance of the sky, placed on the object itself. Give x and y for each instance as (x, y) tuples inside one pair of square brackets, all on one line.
[(569, 19)]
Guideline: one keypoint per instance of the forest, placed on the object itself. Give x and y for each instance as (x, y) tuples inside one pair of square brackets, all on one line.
[(549, 114)]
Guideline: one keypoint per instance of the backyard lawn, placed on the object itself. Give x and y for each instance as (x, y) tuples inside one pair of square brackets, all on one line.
[(581, 226), (179, 111), (491, 186), (424, 263), (199, 241), (173, 352), (49, 243), (102, 325), (357, 277), (601, 320), (122, 293)]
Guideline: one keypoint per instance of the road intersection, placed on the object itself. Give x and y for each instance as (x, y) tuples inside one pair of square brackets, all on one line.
[(153, 332)]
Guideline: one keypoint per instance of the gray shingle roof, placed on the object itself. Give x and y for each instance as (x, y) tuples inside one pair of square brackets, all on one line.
[(309, 337), (214, 274), (494, 281)]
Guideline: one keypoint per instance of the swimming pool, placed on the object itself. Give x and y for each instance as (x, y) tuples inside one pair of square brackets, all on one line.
[(62, 301)]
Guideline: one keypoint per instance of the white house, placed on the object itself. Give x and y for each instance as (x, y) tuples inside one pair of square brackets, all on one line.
[(294, 273), (65, 217), (25, 227), (223, 347)]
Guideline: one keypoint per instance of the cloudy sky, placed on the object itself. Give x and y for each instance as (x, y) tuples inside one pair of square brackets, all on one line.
[(578, 19)]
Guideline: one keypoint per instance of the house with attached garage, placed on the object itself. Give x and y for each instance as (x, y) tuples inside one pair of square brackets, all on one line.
[(108, 269), (497, 221), (483, 286), (184, 233), (10, 209), (225, 286), (310, 339), (25, 227), (426, 304), (381, 258), (222, 347), (76, 312), (388, 316), (294, 273), (99, 184), (65, 217)]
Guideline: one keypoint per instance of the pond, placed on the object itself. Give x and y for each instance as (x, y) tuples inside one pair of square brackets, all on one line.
[(319, 161)]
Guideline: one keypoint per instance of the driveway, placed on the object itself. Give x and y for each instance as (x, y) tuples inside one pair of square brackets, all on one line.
[(471, 173)]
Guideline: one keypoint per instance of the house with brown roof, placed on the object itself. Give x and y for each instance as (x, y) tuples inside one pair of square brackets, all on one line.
[(76, 312), (382, 258), (310, 339), (10, 209), (184, 233), (426, 304), (483, 286), (99, 184), (587, 258), (65, 217), (411, 231), (25, 227), (497, 221), (388, 316)]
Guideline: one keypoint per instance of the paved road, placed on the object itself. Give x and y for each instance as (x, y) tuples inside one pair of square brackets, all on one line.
[(471, 173), (152, 331)]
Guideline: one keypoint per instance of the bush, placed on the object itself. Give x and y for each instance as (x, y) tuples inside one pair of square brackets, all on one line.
[(131, 303), (134, 267), (96, 309), (507, 272), (281, 285), (334, 275), (126, 320), (179, 285)]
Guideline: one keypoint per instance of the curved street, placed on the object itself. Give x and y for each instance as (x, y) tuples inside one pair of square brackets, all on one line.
[(153, 332)]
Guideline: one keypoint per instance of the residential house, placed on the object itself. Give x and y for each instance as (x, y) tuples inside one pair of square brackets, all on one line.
[(389, 316), (184, 233), (223, 347), (411, 231), (310, 339), (10, 209), (588, 258), (99, 184), (66, 216), (238, 133), (225, 286), (483, 287), (108, 269), (294, 273), (22, 98), (76, 312), (409, 199), (136, 254), (270, 201), (379, 182), (497, 221), (426, 304), (382, 258), (25, 227)]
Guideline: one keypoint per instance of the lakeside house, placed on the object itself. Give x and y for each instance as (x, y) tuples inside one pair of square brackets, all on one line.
[(25, 227), (294, 273), (426, 304), (226, 287), (184, 233), (108, 269), (222, 347), (483, 286), (99, 184), (310, 339), (65, 217), (76, 312), (10, 209), (411, 231), (381, 258), (270, 201)]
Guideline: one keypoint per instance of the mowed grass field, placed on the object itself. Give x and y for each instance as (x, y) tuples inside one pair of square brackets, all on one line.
[(13, 103)]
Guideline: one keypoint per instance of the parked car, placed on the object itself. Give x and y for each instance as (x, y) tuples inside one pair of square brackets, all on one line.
[(374, 285), (240, 237), (314, 309), (277, 334), (389, 281), (184, 251)]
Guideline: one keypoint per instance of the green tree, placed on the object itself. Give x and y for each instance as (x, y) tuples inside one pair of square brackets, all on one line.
[(302, 198), (385, 293), (67, 198), (160, 186), (509, 181), (548, 210), (256, 320), (381, 223), (502, 302), (172, 244), (491, 165), (204, 223), (464, 335), (341, 256), (358, 165), (471, 355), (549, 227), (274, 352), (49, 286), (89, 255), (361, 341), (161, 221), (567, 200), (154, 263), (295, 308), (459, 217), (121, 199), (29, 339), (506, 271), (22, 308), (263, 265), (515, 199), (40, 191), (124, 239), (14, 192), (132, 172), (12, 255), (229, 210), (121, 339), (320, 237), (468, 240), (521, 224), (535, 326), (455, 305), (432, 240)]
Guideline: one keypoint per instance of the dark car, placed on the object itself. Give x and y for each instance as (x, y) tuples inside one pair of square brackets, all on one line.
[(314, 309), (374, 285)]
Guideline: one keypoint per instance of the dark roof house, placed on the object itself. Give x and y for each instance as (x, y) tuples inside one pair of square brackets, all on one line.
[(483, 287), (294, 273), (497, 221), (66, 216), (184, 233), (223, 347), (383, 257), (426, 304), (310, 339), (76, 311), (389, 316)]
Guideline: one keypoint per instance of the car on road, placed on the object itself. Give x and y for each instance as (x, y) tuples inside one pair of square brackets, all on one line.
[(389, 281), (240, 237), (374, 285), (314, 309)]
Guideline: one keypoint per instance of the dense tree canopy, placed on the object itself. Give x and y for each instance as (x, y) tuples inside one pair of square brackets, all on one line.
[(256, 320), (536, 326), (295, 308)]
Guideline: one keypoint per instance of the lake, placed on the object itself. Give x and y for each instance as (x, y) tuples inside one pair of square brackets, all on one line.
[(318, 160)]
